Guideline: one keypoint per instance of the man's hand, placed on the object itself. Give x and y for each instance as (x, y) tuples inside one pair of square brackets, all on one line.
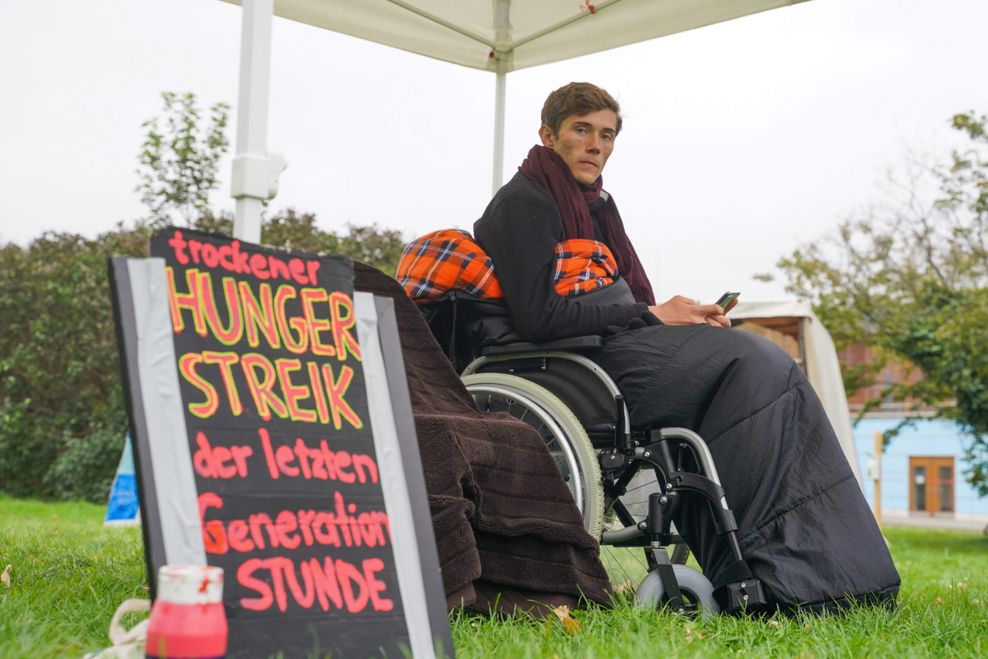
[(681, 310)]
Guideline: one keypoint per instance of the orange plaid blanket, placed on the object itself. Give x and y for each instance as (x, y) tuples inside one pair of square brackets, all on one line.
[(447, 260), (450, 260), (583, 265)]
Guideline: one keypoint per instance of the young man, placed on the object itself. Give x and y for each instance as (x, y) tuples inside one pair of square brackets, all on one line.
[(804, 526)]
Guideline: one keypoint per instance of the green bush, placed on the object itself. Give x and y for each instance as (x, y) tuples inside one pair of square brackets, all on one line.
[(86, 466), (22, 456), (62, 413), (59, 370)]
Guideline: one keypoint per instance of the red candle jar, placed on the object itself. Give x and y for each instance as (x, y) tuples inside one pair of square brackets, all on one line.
[(187, 619)]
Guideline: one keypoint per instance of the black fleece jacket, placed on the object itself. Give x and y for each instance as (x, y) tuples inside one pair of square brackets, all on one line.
[(520, 230)]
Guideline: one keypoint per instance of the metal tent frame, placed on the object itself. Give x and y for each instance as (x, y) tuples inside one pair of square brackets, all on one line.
[(493, 35)]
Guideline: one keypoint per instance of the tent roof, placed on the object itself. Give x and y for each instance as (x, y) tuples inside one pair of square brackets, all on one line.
[(519, 34), (493, 35)]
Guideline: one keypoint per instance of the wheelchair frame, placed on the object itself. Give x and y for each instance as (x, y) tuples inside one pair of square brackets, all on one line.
[(679, 458)]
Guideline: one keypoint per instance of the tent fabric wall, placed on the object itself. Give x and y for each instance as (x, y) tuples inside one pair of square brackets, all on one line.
[(822, 367)]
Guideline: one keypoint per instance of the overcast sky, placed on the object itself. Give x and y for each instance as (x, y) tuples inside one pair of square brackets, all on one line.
[(742, 140)]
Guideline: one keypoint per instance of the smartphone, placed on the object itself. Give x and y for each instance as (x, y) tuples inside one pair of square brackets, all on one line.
[(727, 298)]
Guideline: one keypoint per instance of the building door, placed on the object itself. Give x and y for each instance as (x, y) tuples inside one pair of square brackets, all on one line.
[(931, 485)]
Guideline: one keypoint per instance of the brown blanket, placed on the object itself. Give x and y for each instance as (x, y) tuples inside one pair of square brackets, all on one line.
[(508, 532)]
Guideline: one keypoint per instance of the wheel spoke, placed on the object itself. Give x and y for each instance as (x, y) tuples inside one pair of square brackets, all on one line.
[(559, 428), (573, 454)]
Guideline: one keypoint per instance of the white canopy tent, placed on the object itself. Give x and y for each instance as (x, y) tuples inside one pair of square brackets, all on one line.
[(493, 35), (795, 327)]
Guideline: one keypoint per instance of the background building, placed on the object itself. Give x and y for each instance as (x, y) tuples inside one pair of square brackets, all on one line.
[(922, 479)]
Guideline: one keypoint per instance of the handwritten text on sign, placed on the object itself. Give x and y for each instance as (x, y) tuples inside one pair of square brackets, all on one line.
[(290, 500)]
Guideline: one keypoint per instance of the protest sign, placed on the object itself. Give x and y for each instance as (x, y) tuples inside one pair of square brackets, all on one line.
[(271, 440)]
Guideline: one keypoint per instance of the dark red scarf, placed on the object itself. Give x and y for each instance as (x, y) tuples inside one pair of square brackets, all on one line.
[(548, 169)]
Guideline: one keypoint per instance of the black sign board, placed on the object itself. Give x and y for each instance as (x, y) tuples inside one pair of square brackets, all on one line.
[(258, 445)]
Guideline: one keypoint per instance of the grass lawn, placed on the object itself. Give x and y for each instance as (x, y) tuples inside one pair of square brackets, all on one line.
[(68, 573)]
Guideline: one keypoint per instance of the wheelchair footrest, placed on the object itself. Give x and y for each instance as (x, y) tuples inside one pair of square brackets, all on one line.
[(744, 596)]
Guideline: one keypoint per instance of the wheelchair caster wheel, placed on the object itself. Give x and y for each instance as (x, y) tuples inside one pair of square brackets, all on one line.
[(698, 592)]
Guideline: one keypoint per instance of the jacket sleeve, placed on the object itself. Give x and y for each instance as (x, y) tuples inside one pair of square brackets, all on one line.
[(520, 233)]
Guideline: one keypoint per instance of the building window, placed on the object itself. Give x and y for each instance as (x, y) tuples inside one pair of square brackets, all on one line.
[(931, 483)]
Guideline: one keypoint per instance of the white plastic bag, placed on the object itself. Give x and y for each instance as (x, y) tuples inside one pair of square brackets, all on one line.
[(127, 643)]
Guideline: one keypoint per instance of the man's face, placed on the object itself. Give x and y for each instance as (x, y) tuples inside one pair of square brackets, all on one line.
[(585, 142)]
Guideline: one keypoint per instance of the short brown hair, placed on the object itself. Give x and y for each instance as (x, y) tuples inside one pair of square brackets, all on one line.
[(577, 98)]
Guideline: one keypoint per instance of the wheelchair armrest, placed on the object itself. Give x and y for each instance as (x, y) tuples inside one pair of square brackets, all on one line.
[(574, 344)]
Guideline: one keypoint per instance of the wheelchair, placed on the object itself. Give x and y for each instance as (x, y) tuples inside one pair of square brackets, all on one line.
[(627, 481)]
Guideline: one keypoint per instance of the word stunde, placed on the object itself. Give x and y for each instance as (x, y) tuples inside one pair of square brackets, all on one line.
[(328, 584)]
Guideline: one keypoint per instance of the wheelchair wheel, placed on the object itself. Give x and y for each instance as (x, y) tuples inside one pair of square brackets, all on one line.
[(697, 591), (562, 433)]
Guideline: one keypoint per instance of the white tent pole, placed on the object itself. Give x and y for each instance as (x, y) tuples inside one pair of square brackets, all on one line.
[(498, 167), (502, 53), (252, 179)]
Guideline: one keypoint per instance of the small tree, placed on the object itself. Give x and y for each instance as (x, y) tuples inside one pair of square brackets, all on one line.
[(179, 163), (912, 281), (62, 416)]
